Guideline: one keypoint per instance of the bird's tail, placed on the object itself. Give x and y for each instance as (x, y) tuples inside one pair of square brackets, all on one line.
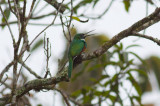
[(70, 66)]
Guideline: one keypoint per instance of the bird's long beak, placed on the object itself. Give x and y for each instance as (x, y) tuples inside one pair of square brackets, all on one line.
[(87, 34)]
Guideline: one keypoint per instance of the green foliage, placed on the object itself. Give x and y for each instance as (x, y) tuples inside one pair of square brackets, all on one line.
[(95, 2), (81, 4), (7, 14), (127, 4), (37, 45), (153, 66), (150, 1), (135, 84), (107, 87), (77, 19)]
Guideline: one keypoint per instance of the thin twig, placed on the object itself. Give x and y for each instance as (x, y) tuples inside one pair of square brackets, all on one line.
[(29, 69), (102, 14), (71, 14), (61, 68), (24, 12), (74, 101), (36, 6), (30, 12), (63, 27), (10, 7), (68, 25), (64, 96), (8, 25), (47, 52), (47, 26), (6, 69), (136, 27), (147, 37), (40, 10), (17, 15), (21, 66), (56, 5), (4, 80), (33, 84), (67, 98)]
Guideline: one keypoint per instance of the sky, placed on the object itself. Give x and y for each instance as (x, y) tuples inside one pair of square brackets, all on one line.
[(113, 22)]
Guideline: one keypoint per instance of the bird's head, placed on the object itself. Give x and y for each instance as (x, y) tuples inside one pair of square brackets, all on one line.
[(83, 35)]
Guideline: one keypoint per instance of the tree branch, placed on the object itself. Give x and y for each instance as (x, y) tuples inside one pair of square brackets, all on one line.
[(147, 37), (34, 85), (30, 70), (56, 5), (138, 26), (6, 69), (64, 96)]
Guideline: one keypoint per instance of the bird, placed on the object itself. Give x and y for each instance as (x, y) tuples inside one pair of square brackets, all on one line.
[(77, 46)]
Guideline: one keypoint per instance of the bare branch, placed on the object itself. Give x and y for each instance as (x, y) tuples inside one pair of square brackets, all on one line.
[(6, 69), (47, 51), (17, 14), (21, 66), (56, 5), (30, 12), (102, 14), (63, 27), (34, 84), (64, 96), (138, 26), (30, 70), (68, 25), (147, 37), (10, 7), (47, 26)]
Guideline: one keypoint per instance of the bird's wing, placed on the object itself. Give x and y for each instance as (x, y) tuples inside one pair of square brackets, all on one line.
[(76, 48)]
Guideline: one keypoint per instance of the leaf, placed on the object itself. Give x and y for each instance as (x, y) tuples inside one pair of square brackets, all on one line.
[(119, 47), (131, 100), (114, 78), (77, 19), (102, 93), (138, 70), (81, 4), (95, 2), (150, 1), (126, 4), (138, 57), (98, 93), (138, 99), (76, 93), (130, 46), (37, 45), (87, 99), (7, 14), (135, 84), (95, 67), (112, 98), (98, 81), (125, 57)]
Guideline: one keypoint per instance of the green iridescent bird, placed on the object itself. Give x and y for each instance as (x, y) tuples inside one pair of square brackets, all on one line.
[(77, 46)]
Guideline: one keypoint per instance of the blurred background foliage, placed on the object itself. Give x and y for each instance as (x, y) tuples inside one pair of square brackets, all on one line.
[(91, 80), (153, 66)]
